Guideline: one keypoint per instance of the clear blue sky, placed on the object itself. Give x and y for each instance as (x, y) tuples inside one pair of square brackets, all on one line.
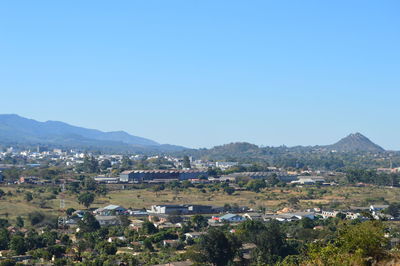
[(202, 73)]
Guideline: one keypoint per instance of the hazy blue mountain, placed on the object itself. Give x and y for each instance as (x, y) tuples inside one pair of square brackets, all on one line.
[(17, 129)]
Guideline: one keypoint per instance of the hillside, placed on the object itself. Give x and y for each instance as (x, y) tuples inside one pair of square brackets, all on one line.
[(355, 142)]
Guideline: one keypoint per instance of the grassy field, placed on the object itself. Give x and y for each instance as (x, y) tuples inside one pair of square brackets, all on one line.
[(271, 199)]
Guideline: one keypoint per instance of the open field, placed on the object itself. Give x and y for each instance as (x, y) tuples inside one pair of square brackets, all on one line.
[(271, 199)]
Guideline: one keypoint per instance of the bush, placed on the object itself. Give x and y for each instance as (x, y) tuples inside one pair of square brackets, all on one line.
[(35, 217)]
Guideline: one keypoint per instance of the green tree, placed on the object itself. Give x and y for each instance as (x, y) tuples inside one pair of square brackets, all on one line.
[(293, 201), (4, 239), (70, 211), (35, 217), (17, 244), (271, 245), (88, 223), (90, 164), (105, 164), (106, 248), (148, 245), (28, 196), (126, 163), (86, 199), (4, 223), (393, 209), (216, 248), (199, 222), (229, 190), (20, 222), (8, 262), (354, 246), (365, 238), (256, 185), (148, 228)]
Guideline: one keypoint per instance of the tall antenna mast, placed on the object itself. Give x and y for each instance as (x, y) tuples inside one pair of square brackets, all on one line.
[(62, 219)]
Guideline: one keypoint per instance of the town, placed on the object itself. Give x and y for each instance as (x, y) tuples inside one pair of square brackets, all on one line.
[(164, 205)]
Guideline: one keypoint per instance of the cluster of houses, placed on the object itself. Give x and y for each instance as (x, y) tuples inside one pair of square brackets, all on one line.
[(161, 215)]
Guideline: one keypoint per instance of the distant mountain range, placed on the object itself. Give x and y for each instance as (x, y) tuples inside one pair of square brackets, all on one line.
[(15, 129), (243, 151)]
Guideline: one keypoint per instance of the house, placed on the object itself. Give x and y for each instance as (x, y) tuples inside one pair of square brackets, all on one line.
[(177, 263), (138, 213), (116, 238), (106, 180), (168, 225), (328, 214), (138, 176), (309, 180), (158, 218), (126, 176), (78, 213), (111, 210), (290, 216), (253, 216), (72, 222), (170, 242), (231, 218), (108, 220), (194, 235), (247, 249), (375, 208), (136, 224), (180, 209)]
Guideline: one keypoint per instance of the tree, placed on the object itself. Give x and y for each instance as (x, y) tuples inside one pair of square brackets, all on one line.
[(19, 222), (28, 196), (86, 199), (70, 211), (17, 244), (186, 162), (35, 217), (88, 223), (199, 222), (216, 248), (354, 246), (273, 180), (124, 220), (4, 239), (271, 245), (365, 238), (148, 245), (105, 164), (106, 248), (293, 201), (256, 185), (229, 190), (2, 193), (148, 228), (4, 223), (126, 163), (341, 216), (393, 209), (90, 164), (89, 184)]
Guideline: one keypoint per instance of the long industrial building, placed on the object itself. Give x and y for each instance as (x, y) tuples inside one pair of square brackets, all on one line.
[(149, 175)]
